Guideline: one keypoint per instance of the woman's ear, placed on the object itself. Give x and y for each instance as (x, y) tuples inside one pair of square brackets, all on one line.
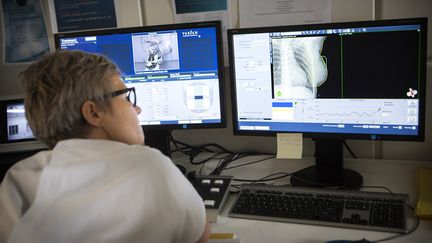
[(91, 113)]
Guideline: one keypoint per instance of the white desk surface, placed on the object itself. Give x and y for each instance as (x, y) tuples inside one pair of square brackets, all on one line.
[(398, 176)]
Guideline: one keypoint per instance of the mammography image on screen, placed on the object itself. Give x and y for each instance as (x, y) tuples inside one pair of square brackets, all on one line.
[(298, 67), (17, 125), (155, 51)]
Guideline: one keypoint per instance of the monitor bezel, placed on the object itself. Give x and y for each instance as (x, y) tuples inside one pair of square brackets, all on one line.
[(322, 135), (165, 27)]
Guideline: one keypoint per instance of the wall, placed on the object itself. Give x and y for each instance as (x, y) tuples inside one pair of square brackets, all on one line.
[(160, 12)]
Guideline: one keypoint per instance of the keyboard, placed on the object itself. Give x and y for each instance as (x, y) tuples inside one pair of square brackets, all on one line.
[(338, 208)]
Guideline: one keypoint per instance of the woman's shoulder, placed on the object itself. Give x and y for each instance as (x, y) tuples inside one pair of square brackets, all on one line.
[(146, 151), (35, 162)]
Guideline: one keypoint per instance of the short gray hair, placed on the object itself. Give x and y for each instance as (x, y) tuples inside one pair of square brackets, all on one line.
[(55, 89)]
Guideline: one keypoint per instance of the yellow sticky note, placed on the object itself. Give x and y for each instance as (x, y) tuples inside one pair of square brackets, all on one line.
[(289, 145)]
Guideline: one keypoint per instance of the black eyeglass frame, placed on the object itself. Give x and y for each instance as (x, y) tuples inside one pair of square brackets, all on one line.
[(128, 96)]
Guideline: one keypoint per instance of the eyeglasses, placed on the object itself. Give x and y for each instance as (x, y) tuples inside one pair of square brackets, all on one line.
[(131, 95)]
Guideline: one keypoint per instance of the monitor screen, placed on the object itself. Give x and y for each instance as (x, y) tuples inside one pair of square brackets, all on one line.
[(14, 125), (361, 80), (335, 81), (17, 125), (15, 133), (177, 71)]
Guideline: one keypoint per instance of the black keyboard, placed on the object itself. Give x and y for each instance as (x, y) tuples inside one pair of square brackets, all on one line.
[(340, 208)]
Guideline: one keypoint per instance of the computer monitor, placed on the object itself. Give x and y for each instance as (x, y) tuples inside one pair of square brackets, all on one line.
[(331, 82), (15, 133), (177, 72)]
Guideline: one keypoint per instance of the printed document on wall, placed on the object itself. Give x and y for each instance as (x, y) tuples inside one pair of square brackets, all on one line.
[(77, 15), (258, 13), (24, 32)]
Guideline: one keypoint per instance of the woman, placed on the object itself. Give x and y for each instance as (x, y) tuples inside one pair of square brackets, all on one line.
[(98, 183)]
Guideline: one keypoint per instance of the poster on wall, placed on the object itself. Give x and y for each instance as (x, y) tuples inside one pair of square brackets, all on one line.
[(25, 36), (75, 15)]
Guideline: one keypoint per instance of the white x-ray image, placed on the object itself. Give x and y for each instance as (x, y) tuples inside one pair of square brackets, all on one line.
[(155, 52), (298, 67)]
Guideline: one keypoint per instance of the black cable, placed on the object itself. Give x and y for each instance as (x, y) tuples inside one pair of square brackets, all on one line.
[(187, 148), (299, 178), (265, 178), (223, 163), (349, 149), (175, 143), (227, 158), (201, 168), (211, 157), (201, 147), (249, 163), (193, 151)]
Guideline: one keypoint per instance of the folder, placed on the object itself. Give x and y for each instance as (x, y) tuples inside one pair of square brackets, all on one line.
[(424, 203)]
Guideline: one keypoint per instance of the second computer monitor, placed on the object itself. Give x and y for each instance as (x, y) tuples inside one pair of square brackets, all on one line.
[(334, 81), (360, 80)]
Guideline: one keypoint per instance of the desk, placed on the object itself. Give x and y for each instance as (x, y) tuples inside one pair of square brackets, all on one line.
[(398, 176)]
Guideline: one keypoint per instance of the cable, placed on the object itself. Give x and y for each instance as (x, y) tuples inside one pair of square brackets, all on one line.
[(193, 151), (211, 157), (223, 163), (249, 163), (349, 149), (265, 178), (293, 175), (192, 147)]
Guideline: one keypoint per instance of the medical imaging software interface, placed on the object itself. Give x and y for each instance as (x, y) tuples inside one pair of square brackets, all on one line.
[(17, 125), (174, 72), (351, 80)]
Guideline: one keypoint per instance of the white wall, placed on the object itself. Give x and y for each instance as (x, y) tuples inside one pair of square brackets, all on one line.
[(160, 12)]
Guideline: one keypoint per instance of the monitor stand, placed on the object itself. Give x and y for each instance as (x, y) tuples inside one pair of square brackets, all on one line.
[(328, 170), (160, 139)]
